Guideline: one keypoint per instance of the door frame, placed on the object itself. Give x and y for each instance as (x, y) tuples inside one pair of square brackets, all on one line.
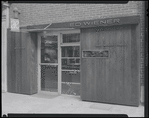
[(59, 34), (39, 60)]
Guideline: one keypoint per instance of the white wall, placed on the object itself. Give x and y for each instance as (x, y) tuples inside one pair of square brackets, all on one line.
[(5, 25)]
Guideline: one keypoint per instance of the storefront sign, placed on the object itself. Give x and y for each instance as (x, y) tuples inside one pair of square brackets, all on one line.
[(95, 23), (98, 22), (15, 25)]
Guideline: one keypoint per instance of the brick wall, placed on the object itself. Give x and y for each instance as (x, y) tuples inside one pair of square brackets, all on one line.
[(33, 14)]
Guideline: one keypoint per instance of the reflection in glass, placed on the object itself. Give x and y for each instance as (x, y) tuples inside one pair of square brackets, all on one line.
[(71, 65), (49, 47), (70, 88), (71, 51), (70, 38), (72, 76)]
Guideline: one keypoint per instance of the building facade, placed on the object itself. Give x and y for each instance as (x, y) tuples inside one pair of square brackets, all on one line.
[(67, 50)]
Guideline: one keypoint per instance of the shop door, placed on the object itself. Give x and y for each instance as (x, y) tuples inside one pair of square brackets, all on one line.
[(49, 63), (22, 62), (110, 65)]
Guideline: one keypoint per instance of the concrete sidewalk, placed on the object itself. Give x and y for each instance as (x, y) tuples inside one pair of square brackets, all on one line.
[(50, 103)]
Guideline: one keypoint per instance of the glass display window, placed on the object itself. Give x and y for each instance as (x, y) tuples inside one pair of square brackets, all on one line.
[(70, 55), (70, 38)]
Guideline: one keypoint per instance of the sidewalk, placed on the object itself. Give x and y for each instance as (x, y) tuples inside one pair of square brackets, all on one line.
[(50, 103)]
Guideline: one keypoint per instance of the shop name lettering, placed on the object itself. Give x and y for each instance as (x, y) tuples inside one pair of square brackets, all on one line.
[(96, 23)]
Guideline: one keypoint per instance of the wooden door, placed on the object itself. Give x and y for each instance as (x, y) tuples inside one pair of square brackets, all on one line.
[(22, 63), (114, 77)]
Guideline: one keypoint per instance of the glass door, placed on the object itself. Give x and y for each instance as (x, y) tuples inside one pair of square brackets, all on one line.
[(49, 63)]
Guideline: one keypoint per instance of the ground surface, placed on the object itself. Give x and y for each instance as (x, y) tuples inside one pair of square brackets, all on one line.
[(47, 103)]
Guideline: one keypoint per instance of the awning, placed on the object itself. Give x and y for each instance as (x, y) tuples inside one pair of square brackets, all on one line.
[(86, 24), (49, 29)]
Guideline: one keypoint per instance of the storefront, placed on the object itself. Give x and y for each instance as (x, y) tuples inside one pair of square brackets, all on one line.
[(97, 60)]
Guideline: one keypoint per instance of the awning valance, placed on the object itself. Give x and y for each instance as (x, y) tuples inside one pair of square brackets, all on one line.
[(49, 29)]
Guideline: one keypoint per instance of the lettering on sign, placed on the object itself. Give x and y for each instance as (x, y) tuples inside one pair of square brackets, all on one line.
[(108, 29), (95, 23), (96, 54)]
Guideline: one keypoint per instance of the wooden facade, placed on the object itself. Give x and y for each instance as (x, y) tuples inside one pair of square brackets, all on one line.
[(113, 79), (22, 62)]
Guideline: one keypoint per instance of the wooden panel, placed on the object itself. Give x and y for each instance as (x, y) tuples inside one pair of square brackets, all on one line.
[(13, 65), (9, 60), (14, 62), (12, 85), (119, 67), (18, 70), (29, 63), (114, 79), (25, 82), (134, 66), (22, 63), (127, 66), (32, 62)]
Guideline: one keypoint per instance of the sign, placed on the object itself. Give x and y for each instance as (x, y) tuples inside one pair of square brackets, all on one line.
[(95, 23), (96, 54), (15, 25), (98, 22)]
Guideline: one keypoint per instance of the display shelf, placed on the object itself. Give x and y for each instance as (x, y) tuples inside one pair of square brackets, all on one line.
[(70, 44), (69, 83), (70, 57), (48, 64), (74, 64), (77, 64), (71, 70)]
